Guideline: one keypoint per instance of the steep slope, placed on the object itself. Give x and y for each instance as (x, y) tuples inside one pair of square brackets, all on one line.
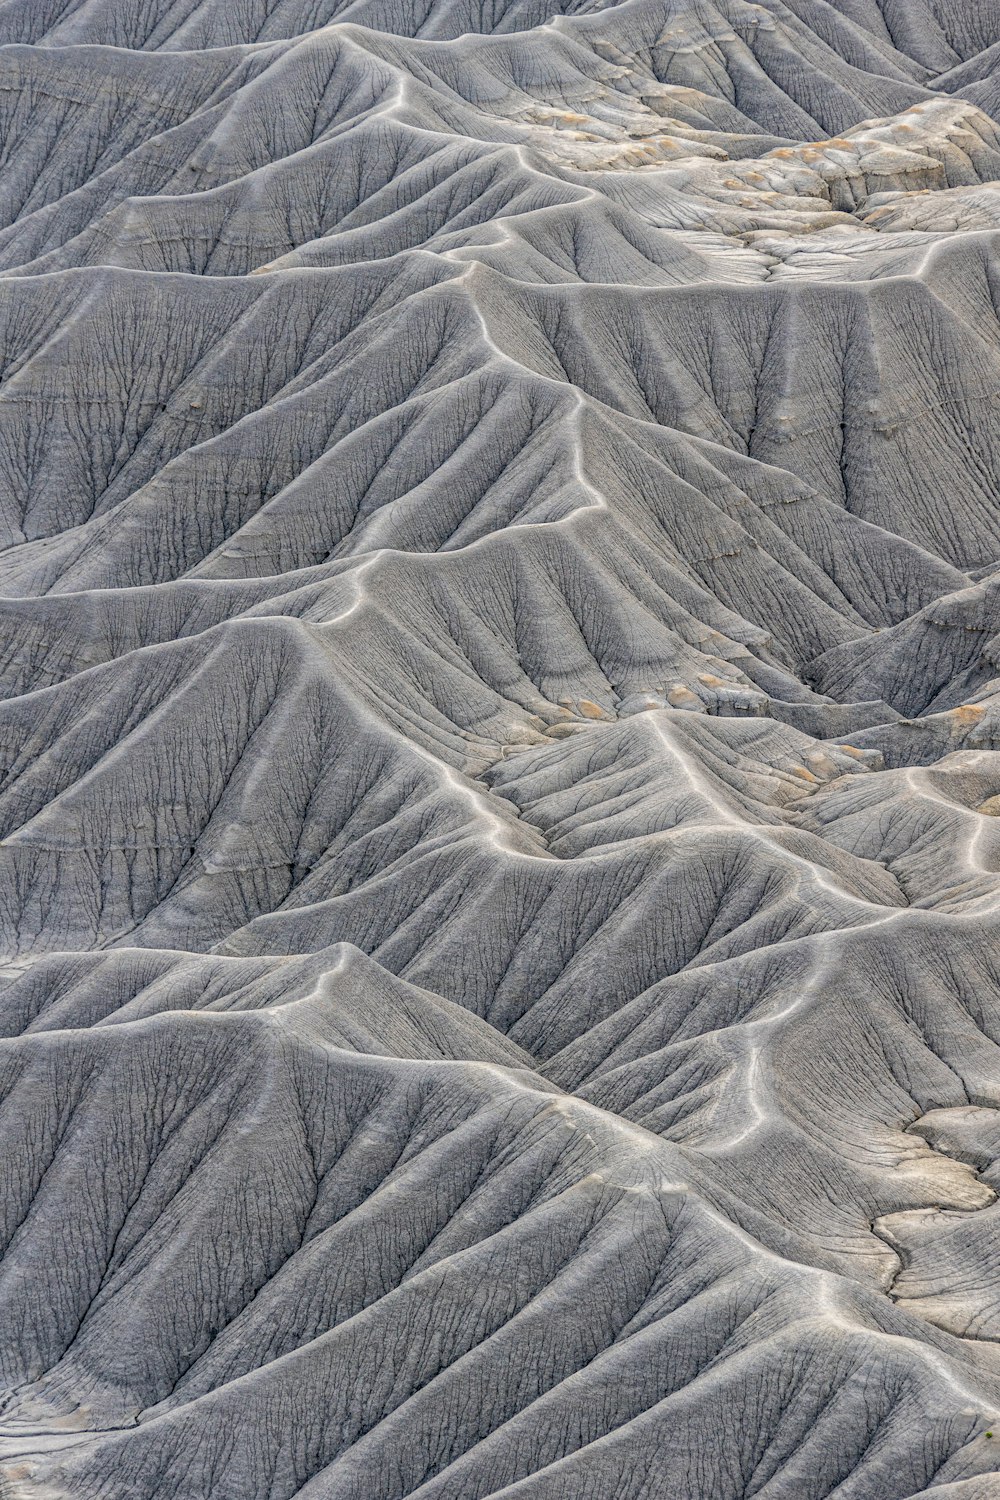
[(499, 750)]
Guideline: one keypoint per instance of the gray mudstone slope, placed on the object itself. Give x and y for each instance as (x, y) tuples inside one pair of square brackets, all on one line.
[(499, 750)]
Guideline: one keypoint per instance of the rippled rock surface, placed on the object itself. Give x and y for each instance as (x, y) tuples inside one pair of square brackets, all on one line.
[(499, 750)]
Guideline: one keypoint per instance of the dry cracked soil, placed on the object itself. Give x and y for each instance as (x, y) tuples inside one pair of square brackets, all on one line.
[(499, 750)]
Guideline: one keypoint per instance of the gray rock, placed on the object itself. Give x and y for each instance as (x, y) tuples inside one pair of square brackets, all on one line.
[(499, 750)]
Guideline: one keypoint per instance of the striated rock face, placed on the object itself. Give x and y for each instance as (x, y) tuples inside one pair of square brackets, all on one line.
[(499, 750)]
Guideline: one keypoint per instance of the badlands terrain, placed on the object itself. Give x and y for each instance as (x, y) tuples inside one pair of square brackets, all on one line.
[(500, 749)]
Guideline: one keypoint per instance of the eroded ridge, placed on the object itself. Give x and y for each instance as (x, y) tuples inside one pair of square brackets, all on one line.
[(499, 750)]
